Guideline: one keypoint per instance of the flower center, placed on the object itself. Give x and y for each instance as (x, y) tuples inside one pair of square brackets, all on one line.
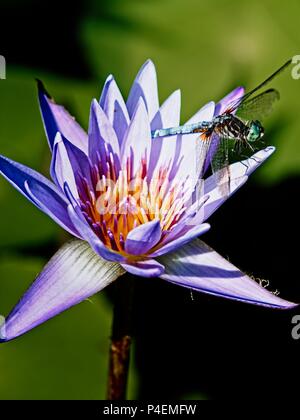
[(115, 202)]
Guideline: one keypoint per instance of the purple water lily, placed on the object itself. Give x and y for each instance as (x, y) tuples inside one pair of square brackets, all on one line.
[(129, 200)]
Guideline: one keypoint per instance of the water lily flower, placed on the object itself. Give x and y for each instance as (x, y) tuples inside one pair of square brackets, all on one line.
[(129, 200)]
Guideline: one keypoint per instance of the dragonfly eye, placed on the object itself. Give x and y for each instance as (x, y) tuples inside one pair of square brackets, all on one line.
[(256, 131)]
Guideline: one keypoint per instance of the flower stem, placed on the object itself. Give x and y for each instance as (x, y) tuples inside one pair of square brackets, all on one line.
[(119, 352)]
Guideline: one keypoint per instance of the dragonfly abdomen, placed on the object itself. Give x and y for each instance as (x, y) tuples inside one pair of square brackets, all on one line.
[(182, 129)]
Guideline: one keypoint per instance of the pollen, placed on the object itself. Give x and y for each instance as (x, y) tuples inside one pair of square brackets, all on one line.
[(115, 202)]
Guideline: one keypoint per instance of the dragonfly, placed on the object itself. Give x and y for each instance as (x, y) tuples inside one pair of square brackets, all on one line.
[(239, 122)]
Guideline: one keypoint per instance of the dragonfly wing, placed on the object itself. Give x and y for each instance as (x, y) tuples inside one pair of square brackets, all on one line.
[(258, 107), (213, 147), (220, 167), (268, 80), (202, 148), (203, 143), (238, 103)]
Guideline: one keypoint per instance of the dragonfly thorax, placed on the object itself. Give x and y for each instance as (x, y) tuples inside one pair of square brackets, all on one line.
[(231, 127)]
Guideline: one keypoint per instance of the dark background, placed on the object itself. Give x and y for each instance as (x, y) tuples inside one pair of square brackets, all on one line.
[(195, 347)]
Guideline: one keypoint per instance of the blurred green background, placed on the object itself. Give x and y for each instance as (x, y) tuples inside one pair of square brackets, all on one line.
[(206, 48)]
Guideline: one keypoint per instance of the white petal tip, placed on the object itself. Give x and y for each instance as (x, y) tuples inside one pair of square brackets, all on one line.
[(109, 78), (258, 158), (58, 138), (148, 62)]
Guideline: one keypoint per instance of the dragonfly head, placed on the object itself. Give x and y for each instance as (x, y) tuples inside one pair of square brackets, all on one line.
[(256, 131)]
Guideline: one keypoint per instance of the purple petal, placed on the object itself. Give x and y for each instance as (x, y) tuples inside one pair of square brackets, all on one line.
[(144, 237), (79, 161), (189, 235), (146, 268), (163, 150), (254, 161), (61, 169), (102, 137), (206, 113), (56, 118), (87, 233), (137, 141), (239, 173), (217, 197), (73, 274), (201, 210), (240, 169), (144, 86), (187, 221), (232, 97), (168, 114), (39, 190), (105, 90), (186, 161), (113, 104), (198, 267)]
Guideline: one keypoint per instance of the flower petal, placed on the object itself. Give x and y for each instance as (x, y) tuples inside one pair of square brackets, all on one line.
[(73, 274), (186, 221), (217, 198), (168, 114), (181, 240), (242, 168), (86, 231), (233, 96), (200, 268), (206, 113), (102, 137), (254, 161), (61, 169), (144, 86), (143, 238), (163, 150), (39, 190), (105, 90), (79, 161), (113, 104), (146, 268), (56, 118), (137, 142), (239, 173), (52, 207), (186, 153)]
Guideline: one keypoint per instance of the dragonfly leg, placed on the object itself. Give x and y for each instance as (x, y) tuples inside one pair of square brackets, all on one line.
[(243, 163), (251, 157), (238, 145), (249, 146), (255, 160)]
